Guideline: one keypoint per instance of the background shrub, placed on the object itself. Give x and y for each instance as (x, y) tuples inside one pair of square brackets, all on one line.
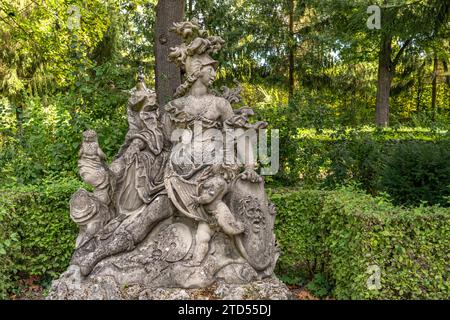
[(355, 157), (339, 234), (412, 166), (37, 235), (417, 171), (328, 240), (299, 233), (408, 245)]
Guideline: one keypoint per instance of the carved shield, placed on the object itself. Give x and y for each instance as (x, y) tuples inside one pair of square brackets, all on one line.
[(248, 202)]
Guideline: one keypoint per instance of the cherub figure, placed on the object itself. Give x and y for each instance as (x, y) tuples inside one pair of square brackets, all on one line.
[(90, 147), (211, 193), (92, 167), (92, 211)]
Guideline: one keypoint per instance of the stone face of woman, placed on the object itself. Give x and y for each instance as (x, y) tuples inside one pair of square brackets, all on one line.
[(207, 75)]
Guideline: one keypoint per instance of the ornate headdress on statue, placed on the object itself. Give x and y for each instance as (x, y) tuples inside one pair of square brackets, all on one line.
[(142, 97), (194, 52)]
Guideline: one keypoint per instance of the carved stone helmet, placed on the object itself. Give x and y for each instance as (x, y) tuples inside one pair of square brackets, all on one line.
[(195, 63)]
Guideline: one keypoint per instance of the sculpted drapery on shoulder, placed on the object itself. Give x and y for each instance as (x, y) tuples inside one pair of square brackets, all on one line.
[(141, 162)]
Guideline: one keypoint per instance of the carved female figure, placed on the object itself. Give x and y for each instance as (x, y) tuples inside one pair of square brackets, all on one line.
[(130, 232), (197, 187)]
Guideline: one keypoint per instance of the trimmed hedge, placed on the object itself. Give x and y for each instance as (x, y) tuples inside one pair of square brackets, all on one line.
[(329, 237), (37, 236), (340, 234)]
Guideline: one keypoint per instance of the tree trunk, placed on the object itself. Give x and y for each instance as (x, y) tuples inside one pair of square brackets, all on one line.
[(434, 87), (167, 74), (190, 9), (385, 74), (447, 77), (291, 49), (17, 103)]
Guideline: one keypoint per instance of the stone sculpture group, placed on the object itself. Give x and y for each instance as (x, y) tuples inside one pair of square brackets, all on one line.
[(160, 224)]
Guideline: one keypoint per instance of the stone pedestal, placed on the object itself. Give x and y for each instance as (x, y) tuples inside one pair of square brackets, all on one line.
[(105, 288)]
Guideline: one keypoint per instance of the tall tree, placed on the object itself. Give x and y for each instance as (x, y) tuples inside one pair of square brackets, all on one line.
[(409, 23), (405, 25), (291, 48), (446, 73), (434, 86), (167, 75), (420, 72)]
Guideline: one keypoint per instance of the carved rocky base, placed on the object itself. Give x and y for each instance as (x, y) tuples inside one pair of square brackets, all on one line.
[(160, 267), (106, 288), (266, 289)]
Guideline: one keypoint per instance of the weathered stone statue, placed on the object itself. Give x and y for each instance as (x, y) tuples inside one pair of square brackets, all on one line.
[(178, 210)]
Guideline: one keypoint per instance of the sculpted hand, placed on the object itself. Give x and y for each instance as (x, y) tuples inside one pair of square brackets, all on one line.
[(250, 175), (195, 201)]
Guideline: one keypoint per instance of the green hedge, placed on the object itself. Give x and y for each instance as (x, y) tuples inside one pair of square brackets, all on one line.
[(328, 240), (340, 234), (37, 236)]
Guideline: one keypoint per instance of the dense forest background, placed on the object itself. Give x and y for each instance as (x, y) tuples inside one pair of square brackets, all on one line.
[(68, 65)]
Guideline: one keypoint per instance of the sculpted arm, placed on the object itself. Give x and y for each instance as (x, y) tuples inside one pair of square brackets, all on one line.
[(226, 111), (244, 148)]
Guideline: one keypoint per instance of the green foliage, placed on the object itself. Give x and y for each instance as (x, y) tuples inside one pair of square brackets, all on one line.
[(319, 286), (338, 235), (408, 245), (51, 137), (355, 157), (9, 245), (417, 172), (66, 80), (37, 235), (328, 240), (410, 171), (303, 252), (410, 164)]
